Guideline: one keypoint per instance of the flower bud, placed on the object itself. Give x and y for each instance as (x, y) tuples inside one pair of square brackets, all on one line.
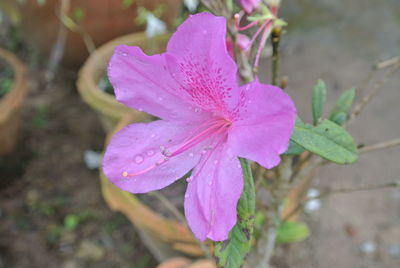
[(250, 5)]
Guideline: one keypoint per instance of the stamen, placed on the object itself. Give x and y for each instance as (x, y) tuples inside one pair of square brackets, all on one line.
[(238, 17), (216, 127), (261, 45), (200, 137), (257, 33)]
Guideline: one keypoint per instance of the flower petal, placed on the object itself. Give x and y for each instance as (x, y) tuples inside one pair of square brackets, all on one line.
[(198, 59), (143, 82), (212, 195), (267, 117), (136, 148)]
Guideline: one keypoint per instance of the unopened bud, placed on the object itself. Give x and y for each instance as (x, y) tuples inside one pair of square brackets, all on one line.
[(250, 5)]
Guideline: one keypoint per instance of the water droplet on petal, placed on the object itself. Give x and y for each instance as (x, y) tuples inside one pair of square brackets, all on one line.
[(191, 154), (210, 183), (215, 161), (139, 159), (153, 135), (186, 195), (196, 110), (150, 153), (239, 166), (189, 179), (160, 99)]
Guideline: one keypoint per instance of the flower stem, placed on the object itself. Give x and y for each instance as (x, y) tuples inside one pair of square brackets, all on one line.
[(393, 184), (275, 40)]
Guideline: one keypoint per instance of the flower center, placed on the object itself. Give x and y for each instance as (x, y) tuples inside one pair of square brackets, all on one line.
[(205, 131)]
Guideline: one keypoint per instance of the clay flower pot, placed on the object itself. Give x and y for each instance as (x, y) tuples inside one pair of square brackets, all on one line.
[(11, 103), (93, 70), (186, 263), (102, 20), (164, 237)]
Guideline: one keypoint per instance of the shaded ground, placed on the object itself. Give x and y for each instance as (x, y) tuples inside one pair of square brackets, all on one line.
[(51, 210), (333, 40), (338, 41)]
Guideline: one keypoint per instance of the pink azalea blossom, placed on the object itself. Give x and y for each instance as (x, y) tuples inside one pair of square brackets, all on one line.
[(206, 122), (249, 5)]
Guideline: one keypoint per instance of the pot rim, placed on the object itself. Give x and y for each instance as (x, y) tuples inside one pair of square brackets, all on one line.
[(95, 67)]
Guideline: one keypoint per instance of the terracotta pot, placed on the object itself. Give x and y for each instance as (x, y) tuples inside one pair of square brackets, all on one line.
[(186, 263), (109, 109), (103, 20), (11, 104), (164, 237)]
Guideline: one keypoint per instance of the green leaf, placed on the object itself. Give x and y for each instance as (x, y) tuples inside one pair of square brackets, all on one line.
[(294, 149), (318, 100), (339, 118), (78, 14), (343, 104), (231, 253), (71, 221), (327, 140), (290, 232)]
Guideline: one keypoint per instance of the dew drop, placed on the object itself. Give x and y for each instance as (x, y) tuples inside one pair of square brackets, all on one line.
[(160, 99), (186, 195), (191, 154), (196, 110), (139, 159), (189, 179), (215, 161), (150, 153), (210, 183), (239, 166), (153, 135)]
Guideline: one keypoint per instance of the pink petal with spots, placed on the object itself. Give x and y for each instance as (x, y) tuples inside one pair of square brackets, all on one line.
[(198, 59), (266, 120), (212, 195), (137, 148), (142, 82)]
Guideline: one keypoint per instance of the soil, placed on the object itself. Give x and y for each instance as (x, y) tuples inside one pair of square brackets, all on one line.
[(51, 210)]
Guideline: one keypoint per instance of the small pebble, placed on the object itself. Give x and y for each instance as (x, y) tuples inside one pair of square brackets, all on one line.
[(92, 159), (368, 247)]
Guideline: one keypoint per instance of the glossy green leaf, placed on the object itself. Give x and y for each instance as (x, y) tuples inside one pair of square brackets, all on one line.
[(327, 140), (343, 104), (318, 100), (290, 232), (232, 252)]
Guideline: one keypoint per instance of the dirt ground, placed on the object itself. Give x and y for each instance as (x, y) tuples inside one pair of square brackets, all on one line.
[(51, 210)]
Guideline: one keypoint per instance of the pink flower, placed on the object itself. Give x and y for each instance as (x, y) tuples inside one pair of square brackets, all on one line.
[(249, 5), (206, 122), (242, 42)]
